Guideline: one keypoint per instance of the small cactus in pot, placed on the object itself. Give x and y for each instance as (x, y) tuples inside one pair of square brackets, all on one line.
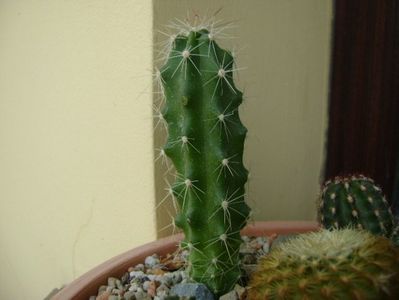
[(205, 143), (355, 201)]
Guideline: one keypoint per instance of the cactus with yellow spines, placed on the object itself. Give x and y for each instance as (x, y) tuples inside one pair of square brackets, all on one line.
[(339, 264), (205, 143)]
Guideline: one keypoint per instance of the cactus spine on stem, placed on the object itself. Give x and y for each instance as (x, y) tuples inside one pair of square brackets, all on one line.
[(205, 143)]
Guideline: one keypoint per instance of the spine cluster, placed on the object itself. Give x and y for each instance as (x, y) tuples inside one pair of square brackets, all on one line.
[(205, 143)]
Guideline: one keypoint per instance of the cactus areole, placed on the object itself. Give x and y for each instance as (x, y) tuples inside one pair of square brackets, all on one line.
[(205, 143)]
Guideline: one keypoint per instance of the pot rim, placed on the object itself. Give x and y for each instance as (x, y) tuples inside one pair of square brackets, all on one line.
[(87, 284)]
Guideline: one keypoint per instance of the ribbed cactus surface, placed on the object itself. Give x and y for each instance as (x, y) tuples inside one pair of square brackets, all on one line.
[(340, 264), (205, 143), (355, 201)]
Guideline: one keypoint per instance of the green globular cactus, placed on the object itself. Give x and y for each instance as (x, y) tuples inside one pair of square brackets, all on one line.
[(341, 264), (355, 201), (205, 143), (395, 235)]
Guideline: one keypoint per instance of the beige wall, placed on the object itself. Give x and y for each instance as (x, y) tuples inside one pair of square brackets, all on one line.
[(284, 46), (76, 159)]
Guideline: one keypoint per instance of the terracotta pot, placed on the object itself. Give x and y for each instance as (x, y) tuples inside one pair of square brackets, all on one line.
[(87, 284)]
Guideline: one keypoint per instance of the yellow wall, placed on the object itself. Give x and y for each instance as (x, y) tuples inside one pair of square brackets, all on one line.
[(76, 159), (284, 46)]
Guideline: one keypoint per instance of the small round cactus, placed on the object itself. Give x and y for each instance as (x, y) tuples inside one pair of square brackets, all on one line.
[(339, 264), (355, 201)]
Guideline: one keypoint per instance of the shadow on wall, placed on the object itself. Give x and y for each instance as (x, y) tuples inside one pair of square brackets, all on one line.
[(283, 50)]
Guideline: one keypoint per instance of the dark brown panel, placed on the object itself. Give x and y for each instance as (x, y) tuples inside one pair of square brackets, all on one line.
[(364, 105)]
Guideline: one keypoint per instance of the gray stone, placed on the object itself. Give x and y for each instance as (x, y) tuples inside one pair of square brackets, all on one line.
[(166, 279), (129, 295), (151, 261), (229, 296), (266, 248), (125, 278), (177, 277), (141, 295), (241, 291), (184, 275), (261, 240), (116, 291), (139, 267), (151, 277), (102, 289), (160, 278), (184, 255), (134, 287), (103, 296), (179, 298), (146, 285), (119, 284), (245, 238), (246, 249), (112, 282), (137, 274), (197, 290), (281, 239), (162, 291)]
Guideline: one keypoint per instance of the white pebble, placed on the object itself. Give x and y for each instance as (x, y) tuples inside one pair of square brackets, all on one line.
[(137, 274), (166, 280), (151, 277), (151, 261), (266, 247), (162, 291), (146, 285), (176, 277), (184, 275), (261, 240), (245, 238), (133, 287), (139, 267)]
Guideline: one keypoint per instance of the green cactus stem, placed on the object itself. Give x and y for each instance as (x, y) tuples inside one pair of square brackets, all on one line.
[(205, 143), (340, 264), (355, 201)]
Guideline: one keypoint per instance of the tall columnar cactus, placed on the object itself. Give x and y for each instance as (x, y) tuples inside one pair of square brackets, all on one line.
[(355, 201), (340, 264), (205, 143)]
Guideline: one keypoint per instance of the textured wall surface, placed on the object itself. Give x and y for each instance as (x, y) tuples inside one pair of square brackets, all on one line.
[(76, 158), (284, 47)]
